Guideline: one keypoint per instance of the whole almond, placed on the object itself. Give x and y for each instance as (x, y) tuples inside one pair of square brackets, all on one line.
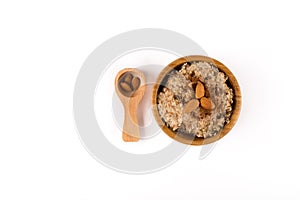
[(127, 78), (207, 103), (135, 83), (125, 87), (200, 91), (190, 106)]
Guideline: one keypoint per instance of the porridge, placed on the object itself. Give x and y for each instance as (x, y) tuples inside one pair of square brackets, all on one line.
[(195, 99)]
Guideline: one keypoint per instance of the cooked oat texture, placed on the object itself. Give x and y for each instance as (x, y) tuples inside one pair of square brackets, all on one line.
[(178, 90)]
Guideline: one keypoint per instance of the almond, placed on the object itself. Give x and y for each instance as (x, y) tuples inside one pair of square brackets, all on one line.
[(135, 83), (207, 103), (200, 91), (127, 78), (190, 106), (125, 87)]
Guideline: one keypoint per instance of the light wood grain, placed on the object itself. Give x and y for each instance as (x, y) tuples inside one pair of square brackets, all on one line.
[(130, 132), (236, 104)]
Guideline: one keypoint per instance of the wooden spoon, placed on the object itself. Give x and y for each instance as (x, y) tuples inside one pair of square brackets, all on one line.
[(130, 96)]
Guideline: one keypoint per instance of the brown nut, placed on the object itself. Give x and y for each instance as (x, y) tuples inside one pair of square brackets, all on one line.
[(127, 78), (190, 106), (207, 103), (200, 91), (135, 83), (125, 87)]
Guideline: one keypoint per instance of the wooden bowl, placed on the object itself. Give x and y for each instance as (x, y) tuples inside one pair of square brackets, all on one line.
[(236, 106)]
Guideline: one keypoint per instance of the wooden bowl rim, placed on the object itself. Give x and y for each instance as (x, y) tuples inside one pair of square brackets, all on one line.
[(236, 108)]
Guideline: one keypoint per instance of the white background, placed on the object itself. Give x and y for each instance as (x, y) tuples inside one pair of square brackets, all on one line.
[(42, 47)]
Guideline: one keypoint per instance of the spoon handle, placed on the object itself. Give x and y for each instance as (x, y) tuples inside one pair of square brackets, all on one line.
[(131, 131)]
